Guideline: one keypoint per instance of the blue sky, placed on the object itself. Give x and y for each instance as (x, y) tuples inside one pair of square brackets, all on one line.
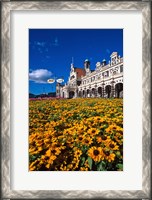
[(51, 52)]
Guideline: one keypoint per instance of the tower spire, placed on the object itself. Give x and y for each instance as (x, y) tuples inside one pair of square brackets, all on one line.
[(72, 60), (72, 64)]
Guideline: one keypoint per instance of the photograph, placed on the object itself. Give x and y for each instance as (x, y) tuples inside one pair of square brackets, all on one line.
[(75, 99)]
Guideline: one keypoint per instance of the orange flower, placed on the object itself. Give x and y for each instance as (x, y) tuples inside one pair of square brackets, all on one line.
[(96, 153)]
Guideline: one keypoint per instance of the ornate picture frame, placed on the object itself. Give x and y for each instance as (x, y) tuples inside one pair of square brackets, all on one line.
[(6, 160)]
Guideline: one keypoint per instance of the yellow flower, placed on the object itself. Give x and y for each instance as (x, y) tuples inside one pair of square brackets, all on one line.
[(32, 168), (99, 139), (77, 153), (87, 141), (50, 161), (75, 163), (111, 157), (84, 168), (33, 165), (111, 128), (113, 146), (52, 151), (40, 148), (79, 138), (93, 131), (96, 153)]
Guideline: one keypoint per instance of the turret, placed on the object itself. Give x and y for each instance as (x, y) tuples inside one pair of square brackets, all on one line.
[(58, 88), (87, 65), (114, 57), (103, 63)]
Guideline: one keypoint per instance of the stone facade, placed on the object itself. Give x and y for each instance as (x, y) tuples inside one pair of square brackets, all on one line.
[(105, 81)]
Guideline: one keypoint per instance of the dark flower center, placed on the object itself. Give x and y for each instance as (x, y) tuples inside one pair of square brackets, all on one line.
[(78, 153), (106, 153), (111, 145), (53, 151), (96, 152), (101, 133), (93, 131), (69, 159), (103, 137)]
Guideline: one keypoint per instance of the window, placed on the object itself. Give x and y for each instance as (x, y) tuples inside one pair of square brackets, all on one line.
[(113, 60), (78, 83), (72, 77), (121, 68)]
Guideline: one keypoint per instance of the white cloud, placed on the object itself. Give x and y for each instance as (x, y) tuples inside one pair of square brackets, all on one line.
[(55, 42), (41, 44), (40, 75)]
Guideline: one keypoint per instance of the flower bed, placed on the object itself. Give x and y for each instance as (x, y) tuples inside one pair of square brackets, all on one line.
[(76, 135)]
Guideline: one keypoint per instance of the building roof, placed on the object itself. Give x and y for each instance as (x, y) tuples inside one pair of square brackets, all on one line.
[(80, 72)]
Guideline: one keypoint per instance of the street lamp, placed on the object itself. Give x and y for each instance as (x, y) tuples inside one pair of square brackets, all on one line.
[(51, 80), (56, 80)]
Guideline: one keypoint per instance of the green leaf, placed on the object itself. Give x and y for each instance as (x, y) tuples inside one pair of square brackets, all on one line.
[(33, 158), (84, 148), (82, 161), (101, 166), (119, 166), (90, 162)]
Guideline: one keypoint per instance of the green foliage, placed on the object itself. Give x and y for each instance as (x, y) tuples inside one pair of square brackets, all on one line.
[(33, 157), (82, 161), (101, 166), (120, 166), (90, 162)]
